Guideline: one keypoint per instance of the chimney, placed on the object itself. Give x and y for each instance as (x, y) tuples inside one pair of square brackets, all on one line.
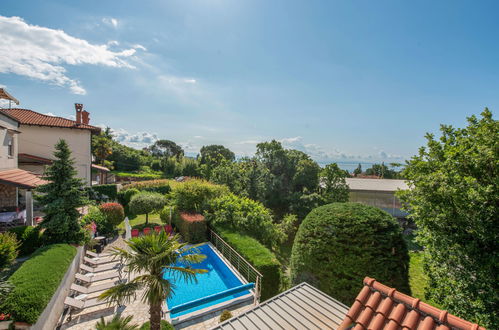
[(79, 110), (85, 117)]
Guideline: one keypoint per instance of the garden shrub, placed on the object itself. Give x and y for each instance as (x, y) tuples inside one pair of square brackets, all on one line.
[(104, 227), (8, 248), (245, 215), (110, 190), (192, 226), (114, 213), (339, 244), (195, 195), (162, 186), (29, 237), (164, 214), (147, 202), (125, 195), (151, 175), (259, 256), (36, 281)]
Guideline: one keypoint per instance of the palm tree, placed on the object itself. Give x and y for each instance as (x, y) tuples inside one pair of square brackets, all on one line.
[(152, 257), (116, 323)]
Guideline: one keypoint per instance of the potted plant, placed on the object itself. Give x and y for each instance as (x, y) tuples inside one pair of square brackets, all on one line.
[(5, 321)]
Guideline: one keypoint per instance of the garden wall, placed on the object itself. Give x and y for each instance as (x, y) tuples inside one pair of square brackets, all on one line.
[(52, 313)]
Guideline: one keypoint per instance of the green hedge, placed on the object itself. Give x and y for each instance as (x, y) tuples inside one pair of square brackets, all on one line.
[(195, 195), (339, 244), (36, 281), (154, 175), (259, 256), (110, 190), (29, 237), (192, 230), (162, 186)]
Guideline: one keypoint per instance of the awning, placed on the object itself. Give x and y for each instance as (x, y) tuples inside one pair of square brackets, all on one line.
[(20, 178), (32, 159), (100, 168)]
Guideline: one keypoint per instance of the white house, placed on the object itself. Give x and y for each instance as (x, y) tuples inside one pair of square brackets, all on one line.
[(41, 132)]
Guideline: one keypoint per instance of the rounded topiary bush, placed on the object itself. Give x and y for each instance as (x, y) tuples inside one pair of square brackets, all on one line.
[(114, 213), (339, 244)]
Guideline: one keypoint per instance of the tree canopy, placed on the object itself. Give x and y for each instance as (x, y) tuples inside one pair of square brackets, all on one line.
[(166, 148), (454, 201), (333, 184)]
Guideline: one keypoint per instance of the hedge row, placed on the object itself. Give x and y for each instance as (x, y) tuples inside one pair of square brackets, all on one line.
[(110, 190), (36, 281), (192, 226), (259, 256), (29, 237), (160, 186)]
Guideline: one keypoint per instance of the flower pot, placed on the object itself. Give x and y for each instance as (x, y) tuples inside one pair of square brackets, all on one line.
[(22, 325)]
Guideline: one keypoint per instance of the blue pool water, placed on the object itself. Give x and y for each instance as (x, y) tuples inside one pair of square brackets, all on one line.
[(219, 278)]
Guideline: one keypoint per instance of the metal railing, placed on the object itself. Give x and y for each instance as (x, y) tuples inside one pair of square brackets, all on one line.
[(238, 262)]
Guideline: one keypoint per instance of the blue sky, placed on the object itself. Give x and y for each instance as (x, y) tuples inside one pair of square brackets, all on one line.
[(342, 80)]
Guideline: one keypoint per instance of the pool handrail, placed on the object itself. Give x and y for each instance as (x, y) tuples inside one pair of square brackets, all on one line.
[(195, 302)]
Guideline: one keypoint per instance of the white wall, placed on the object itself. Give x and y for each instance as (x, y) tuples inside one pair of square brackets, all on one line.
[(6, 161), (40, 141)]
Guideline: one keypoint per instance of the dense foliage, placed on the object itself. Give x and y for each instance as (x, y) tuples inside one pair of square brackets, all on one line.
[(95, 215), (162, 186), (113, 212), (257, 255), (109, 190), (334, 187), (61, 197), (166, 148), (116, 323), (36, 281), (165, 325), (192, 227), (8, 249), (195, 195), (339, 244), (245, 215), (147, 202), (29, 237), (454, 201)]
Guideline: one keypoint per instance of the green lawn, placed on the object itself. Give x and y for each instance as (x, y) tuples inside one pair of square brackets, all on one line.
[(141, 219), (417, 278)]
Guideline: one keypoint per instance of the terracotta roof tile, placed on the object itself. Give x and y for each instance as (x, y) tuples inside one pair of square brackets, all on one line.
[(20, 178), (378, 306), (30, 117)]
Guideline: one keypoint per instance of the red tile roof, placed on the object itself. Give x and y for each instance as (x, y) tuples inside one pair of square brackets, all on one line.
[(30, 117), (25, 158), (191, 217), (20, 178), (380, 307)]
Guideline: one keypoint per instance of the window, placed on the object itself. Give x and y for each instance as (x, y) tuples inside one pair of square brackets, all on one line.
[(10, 145)]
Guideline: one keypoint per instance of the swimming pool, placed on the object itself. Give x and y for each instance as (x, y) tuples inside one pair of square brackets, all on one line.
[(219, 278)]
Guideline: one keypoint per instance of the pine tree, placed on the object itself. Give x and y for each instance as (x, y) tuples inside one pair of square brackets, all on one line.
[(60, 199), (358, 170)]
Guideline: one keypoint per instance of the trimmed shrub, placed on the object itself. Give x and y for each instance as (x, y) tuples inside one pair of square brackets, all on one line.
[(160, 186), (246, 215), (147, 202), (124, 196), (339, 244), (226, 314), (195, 195), (164, 214), (152, 175), (192, 227), (104, 227), (8, 249), (110, 190), (36, 281), (29, 237), (114, 213), (259, 256)]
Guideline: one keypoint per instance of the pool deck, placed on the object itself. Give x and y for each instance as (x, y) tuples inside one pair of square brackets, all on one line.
[(87, 319)]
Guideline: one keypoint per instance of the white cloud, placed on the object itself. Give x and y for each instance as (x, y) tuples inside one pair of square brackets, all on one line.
[(110, 21), (50, 114), (136, 140), (41, 53)]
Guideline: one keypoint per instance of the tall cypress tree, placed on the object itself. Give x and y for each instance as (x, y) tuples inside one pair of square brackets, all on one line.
[(61, 197)]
